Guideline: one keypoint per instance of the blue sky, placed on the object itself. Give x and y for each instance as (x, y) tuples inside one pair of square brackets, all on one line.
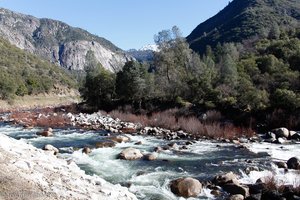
[(126, 23)]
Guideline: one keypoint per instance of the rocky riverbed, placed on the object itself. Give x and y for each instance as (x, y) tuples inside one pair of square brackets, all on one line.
[(156, 167)]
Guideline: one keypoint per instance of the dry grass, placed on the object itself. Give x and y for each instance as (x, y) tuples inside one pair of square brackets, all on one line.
[(211, 127), (38, 101)]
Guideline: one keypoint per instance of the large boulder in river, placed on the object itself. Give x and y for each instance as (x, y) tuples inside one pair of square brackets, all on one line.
[(293, 163), (225, 178), (49, 147), (130, 154), (281, 132), (186, 187)]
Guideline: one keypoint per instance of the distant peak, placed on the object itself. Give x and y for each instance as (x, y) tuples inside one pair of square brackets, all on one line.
[(149, 47)]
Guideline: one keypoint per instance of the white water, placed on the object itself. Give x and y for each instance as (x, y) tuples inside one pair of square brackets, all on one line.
[(149, 180)]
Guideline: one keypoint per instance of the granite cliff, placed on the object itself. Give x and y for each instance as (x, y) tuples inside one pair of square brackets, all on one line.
[(58, 42)]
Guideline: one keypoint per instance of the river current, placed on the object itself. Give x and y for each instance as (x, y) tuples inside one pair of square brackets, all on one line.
[(150, 180)]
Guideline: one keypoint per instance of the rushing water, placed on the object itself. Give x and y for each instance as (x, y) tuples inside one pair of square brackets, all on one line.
[(148, 179)]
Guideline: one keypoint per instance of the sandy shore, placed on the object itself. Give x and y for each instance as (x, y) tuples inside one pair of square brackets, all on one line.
[(30, 173)]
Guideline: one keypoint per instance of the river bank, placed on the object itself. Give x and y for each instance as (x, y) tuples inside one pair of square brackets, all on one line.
[(31, 173)]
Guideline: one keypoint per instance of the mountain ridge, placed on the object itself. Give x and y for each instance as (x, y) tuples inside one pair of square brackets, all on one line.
[(243, 19), (58, 42)]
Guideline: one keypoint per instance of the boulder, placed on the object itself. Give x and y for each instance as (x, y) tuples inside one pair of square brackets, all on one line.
[(138, 143), (293, 163), (216, 193), (272, 195), (292, 133), (226, 178), (45, 133), (130, 154), (236, 197), (49, 129), (235, 188), (119, 139), (295, 136), (49, 147), (281, 140), (105, 144), (281, 165), (151, 156), (86, 150), (281, 132), (158, 149), (186, 187)]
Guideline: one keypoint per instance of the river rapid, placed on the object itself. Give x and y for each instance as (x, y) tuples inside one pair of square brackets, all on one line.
[(150, 180)]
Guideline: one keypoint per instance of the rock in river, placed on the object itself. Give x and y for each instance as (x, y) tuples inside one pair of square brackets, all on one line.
[(49, 147), (130, 154), (293, 163), (186, 187)]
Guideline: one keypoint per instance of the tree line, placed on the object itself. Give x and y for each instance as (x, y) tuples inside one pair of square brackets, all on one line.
[(253, 76)]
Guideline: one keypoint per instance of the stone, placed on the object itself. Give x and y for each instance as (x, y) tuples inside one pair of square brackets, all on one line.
[(49, 129), (236, 197), (173, 145), (120, 139), (49, 147), (281, 165), (281, 132), (271, 135), (86, 150), (151, 156), (250, 169), (138, 143), (235, 188), (293, 163), (105, 144), (216, 193), (158, 149), (292, 133), (186, 187), (45, 133), (272, 195), (281, 140), (226, 178), (130, 154), (296, 136)]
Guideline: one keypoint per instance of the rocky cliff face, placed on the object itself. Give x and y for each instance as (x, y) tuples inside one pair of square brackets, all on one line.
[(58, 42)]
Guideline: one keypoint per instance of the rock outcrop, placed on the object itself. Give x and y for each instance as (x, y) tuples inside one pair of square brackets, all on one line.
[(58, 42)]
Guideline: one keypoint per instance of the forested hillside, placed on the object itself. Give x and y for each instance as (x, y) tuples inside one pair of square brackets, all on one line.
[(22, 73), (243, 19)]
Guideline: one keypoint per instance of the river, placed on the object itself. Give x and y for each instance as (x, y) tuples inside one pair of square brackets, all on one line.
[(149, 180)]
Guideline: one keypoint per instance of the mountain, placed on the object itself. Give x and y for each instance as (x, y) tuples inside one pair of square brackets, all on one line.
[(23, 73), (243, 19), (146, 53), (151, 47), (58, 42)]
